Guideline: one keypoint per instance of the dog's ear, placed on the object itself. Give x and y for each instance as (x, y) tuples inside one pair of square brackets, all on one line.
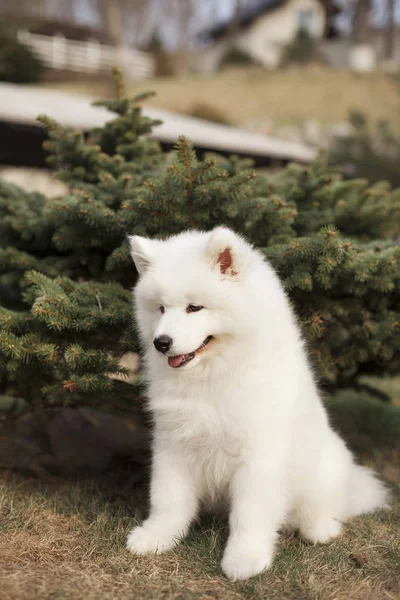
[(222, 251), (141, 252)]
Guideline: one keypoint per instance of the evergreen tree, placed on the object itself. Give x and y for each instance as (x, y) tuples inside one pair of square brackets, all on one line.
[(369, 149), (301, 50), (66, 273), (18, 63)]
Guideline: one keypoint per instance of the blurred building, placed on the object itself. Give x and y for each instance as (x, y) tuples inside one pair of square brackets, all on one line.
[(72, 48), (264, 30), (63, 55)]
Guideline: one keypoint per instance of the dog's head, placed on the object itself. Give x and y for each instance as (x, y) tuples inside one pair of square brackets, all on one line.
[(190, 298)]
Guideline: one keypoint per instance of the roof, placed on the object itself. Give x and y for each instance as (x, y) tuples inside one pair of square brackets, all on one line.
[(22, 104), (250, 13)]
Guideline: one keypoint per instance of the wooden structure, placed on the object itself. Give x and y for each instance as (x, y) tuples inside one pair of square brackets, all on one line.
[(89, 56)]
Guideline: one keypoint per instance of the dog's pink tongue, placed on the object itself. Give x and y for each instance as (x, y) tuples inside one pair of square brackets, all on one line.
[(175, 361)]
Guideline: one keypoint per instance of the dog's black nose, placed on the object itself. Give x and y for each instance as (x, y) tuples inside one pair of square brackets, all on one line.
[(163, 343)]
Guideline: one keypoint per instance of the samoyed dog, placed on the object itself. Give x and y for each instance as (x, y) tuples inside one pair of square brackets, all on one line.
[(237, 415)]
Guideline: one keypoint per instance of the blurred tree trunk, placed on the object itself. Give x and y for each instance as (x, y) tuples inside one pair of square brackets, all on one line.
[(183, 11), (113, 20), (232, 34), (390, 38), (177, 15), (361, 34), (126, 20), (235, 18)]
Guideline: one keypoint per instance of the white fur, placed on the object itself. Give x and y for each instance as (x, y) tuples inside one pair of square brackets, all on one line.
[(243, 422)]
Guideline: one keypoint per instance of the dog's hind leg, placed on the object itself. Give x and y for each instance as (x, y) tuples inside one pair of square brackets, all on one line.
[(322, 499)]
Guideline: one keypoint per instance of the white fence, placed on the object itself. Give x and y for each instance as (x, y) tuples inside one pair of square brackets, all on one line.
[(57, 52)]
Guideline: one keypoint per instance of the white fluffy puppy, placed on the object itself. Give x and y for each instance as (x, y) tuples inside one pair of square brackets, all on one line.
[(237, 414)]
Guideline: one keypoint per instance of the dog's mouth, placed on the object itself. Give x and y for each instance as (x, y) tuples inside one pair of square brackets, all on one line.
[(182, 359)]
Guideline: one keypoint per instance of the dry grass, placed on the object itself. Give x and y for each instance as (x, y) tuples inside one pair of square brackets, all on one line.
[(66, 542), (290, 95), (284, 96)]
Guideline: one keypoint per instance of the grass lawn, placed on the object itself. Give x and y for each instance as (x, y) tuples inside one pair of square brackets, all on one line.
[(285, 96), (65, 541)]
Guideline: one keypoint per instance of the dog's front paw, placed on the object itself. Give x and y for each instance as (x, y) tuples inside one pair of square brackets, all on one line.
[(143, 541), (244, 562)]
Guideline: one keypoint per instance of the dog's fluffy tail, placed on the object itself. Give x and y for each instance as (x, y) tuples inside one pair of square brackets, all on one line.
[(367, 493)]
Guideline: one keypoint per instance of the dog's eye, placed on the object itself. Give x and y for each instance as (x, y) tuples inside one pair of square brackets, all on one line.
[(162, 309), (193, 308)]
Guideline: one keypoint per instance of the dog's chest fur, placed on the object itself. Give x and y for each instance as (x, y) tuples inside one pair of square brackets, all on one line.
[(209, 439)]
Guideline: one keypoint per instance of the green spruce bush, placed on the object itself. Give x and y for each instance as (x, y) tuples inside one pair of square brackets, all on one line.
[(236, 57), (66, 274), (301, 50), (18, 64), (369, 150)]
